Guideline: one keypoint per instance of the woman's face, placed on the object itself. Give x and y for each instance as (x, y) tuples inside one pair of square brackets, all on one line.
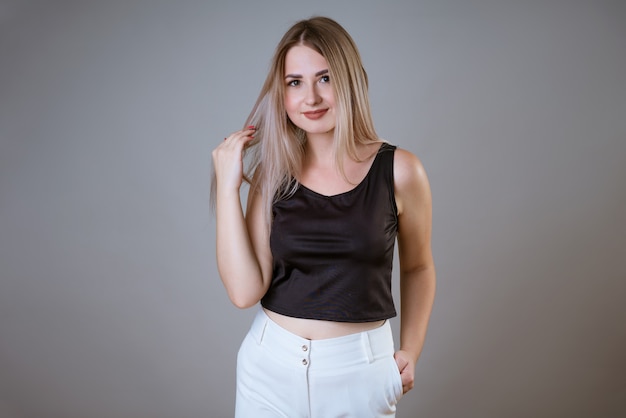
[(309, 97)]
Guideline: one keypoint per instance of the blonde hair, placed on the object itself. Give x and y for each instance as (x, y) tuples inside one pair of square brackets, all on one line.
[(278, 148)]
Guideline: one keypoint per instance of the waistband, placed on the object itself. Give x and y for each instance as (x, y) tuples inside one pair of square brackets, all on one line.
[(343, 351)]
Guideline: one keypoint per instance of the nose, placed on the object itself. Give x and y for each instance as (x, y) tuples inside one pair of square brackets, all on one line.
[(312, 97)]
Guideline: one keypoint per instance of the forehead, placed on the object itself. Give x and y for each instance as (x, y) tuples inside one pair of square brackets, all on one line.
[(301, 59)]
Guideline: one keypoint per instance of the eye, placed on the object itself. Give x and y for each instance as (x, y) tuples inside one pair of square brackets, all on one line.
[(325, 79), (293, 83)]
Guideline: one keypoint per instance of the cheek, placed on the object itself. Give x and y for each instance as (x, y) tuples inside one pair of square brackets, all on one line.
[(290, 105), (329, 96)]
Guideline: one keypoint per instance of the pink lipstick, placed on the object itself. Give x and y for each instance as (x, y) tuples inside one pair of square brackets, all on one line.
[(315, 114)]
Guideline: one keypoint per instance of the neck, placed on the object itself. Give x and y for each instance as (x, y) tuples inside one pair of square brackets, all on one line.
[(321, 147)]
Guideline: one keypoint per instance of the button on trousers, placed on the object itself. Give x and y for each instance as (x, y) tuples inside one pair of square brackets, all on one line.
[(280, 374)]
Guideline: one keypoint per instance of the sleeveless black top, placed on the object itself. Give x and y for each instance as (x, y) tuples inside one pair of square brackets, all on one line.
[(332, 255)]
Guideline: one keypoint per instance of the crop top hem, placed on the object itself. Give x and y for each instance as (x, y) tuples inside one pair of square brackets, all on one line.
[(320, 317)]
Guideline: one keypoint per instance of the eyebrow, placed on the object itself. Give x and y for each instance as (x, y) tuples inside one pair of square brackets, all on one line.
[(317, 74)]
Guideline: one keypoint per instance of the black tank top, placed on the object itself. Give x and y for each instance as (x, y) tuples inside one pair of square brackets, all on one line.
[(332, 255)]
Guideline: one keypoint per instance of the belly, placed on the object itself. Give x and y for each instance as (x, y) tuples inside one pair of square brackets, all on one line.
[(314, 329)]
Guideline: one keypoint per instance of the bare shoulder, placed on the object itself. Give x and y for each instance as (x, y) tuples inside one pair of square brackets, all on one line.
[(408, 171), (410, 180)]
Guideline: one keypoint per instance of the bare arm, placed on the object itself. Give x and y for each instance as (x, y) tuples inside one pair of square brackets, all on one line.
[(417, 269), (242, 242)]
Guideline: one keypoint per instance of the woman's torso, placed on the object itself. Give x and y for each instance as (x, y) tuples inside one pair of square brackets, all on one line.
[(315, 329)]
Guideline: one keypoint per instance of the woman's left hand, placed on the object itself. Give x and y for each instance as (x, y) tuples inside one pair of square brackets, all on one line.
[(406, 366)]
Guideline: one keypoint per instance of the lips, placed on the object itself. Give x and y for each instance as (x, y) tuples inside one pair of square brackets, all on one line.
[(315, 114)]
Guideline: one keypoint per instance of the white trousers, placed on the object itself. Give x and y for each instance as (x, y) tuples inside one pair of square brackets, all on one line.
[(280, 374)]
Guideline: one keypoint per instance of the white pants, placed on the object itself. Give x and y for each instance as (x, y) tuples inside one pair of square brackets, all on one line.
[(280, 374)]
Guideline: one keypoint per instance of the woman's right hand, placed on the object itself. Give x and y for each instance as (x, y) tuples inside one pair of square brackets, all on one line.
[(238, 253), (228, 159)]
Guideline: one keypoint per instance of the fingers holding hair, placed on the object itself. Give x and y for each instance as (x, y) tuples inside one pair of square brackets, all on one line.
[(247, 134)]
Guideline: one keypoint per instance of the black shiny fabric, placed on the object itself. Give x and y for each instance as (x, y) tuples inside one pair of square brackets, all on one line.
[(332, 255)]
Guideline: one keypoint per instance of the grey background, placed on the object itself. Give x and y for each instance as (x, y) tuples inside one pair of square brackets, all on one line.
[(110, 303)]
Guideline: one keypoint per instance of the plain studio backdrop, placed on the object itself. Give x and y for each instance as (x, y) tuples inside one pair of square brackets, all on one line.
[(110, 302)]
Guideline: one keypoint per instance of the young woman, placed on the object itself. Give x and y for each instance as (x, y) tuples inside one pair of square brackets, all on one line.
[(327, 201)]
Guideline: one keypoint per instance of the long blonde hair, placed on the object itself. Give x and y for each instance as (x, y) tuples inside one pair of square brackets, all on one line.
[(277, 151)]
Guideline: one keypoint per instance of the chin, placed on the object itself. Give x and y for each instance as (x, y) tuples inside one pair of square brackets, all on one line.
[(318, 129)]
